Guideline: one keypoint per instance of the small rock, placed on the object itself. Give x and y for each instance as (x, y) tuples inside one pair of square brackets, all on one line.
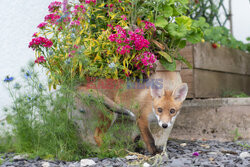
[(146, 164), (131, 157), (205, 146), (211, 159), (20, 157), (212, 153), (87, 162), (37, 158), (183, 144), (244, 154), (46, 164), (75, 164)]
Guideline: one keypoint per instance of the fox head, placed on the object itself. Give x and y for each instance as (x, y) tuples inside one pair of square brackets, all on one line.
[(167, 104)]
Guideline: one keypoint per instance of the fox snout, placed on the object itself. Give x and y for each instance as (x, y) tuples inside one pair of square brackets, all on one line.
[(164, 126)]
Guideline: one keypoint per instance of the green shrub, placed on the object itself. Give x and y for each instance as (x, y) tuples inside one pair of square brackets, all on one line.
[(42, 123)]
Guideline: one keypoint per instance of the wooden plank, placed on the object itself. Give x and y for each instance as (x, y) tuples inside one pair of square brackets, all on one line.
[(187, 53), (213, 84), (187, 77), (221, 59)]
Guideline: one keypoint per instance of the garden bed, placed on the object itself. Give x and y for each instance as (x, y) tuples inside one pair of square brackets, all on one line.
[(215, 70)]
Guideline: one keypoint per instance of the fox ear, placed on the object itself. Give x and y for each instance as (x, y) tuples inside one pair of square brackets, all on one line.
[(157, 92), (180, 92)]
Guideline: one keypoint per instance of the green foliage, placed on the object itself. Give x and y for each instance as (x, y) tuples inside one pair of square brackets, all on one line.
[(237, 135), (88, 46), (244, 145), (234, 94), (42, 122), (208, 9), (222, 36), (174, 28)]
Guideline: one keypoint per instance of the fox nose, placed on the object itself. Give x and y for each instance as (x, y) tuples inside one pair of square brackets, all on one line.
[(164, 126)]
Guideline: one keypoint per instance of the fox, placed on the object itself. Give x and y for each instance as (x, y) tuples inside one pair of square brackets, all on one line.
[(161, 104)]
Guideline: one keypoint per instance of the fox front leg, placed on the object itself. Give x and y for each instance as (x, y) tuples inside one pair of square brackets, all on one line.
[(146, 135)]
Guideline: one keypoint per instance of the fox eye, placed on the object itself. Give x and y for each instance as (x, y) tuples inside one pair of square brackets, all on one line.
[(172, 111), (159, 110)]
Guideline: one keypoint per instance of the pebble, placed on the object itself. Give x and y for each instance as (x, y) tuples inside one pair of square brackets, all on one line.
[(244, 154), (183, 144), (20, 157), (131, 157), (46, 164), (87, 162), (146, 164)]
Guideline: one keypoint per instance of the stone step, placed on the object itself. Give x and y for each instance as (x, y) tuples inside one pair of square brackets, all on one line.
[(223, 119)]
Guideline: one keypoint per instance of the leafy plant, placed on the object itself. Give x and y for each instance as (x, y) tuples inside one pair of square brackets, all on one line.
[(42, 123), (113, 39), (234, 94), (237, 135), (222, 36)]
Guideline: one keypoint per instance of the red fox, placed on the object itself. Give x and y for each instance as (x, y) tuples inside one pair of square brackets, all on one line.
[(162, 104)]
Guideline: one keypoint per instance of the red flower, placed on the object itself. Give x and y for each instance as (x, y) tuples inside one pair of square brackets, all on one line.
[(42, 25), (40, 41), (52, 18), (40, 59), (214, 45)]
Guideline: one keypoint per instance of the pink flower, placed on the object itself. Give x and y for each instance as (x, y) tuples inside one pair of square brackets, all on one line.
[(89, 1), (42, 25), (60, 28), (149, 25), (75, 22), (40, 41), (124, 17), (196, 154), (52, 18), (79, 8), (54, 6), (35, 34), (113, 37), (65, 3), (147, 59), (40, 59), (124, 49)]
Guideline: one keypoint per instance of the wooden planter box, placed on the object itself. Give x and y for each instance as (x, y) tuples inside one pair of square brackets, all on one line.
[(215, 70)]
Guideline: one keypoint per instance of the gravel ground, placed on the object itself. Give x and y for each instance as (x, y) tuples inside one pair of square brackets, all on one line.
[(181, 154)]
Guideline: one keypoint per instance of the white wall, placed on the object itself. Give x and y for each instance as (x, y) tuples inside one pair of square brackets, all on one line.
[(18, 22)]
